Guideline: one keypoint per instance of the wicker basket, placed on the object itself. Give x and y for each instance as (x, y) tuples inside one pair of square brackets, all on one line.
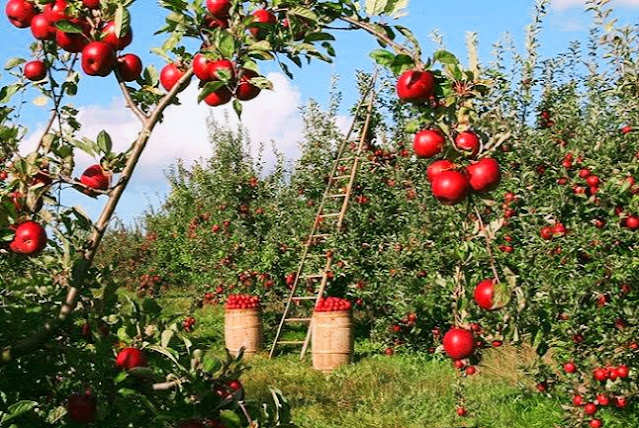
[(332, 340), (243, 328)]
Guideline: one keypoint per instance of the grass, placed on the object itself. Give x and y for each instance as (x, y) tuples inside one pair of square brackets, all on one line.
[(405, 391)]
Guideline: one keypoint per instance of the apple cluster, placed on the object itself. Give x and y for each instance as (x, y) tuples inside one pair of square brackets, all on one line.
[(242, 301), (332, 304), (188, 324), (450, 183), (76, 30), (550, 232), (226, 80)]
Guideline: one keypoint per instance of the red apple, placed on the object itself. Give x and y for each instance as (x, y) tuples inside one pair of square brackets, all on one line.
[(570, 367), (578, 400), (20, 12), (437, 167), (219, 97), (218, 8), (42, 28), (130, 67), (98, 59), (632, 222), (202, 67), (170, 75), (262, 16), (35, 70), (450, 187), (415, 86), (96, 177), (81, 408), (118, 43), (484, 175), (223, 66), (30, 239), (74, 42), (428, 143), (129, 358), (91, 4), (55, 11), (596, 423), (468, 141), (459, 343), (215, 22), (484, 295), (245, 90)]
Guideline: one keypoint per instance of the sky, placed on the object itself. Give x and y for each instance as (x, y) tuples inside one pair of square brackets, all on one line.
[(274, 115)]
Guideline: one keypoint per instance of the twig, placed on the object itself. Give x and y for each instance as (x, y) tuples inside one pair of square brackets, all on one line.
[(130, 103), (166, 386), (488, 246)]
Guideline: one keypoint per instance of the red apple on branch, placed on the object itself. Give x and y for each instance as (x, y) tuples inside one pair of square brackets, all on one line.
[(262, 16), (35, 70), (245, 90), (130, 67), (170, 75), (130, 358), (415, 86), (96, 177), (20, 12), (118, 43), (42, 28), (98, 59), (218, 8), (428, 143), (450, 187), (484, 175), (30, 239), (81, 408)]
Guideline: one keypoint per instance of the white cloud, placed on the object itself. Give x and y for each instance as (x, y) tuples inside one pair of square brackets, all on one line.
[(272, 116), (564, 4)]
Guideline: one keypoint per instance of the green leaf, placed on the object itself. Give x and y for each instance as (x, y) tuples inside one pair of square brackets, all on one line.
[(7, 92), (445, 57), (227, 45), (105, 144), (375, 7), (68, 27), (167, 335), (383, 57), (304, 13), (230, 419), (14, 62), (237, 106), (122, 21), (18, 409)]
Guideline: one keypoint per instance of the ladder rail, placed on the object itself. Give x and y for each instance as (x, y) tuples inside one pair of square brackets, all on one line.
[(316, 224)]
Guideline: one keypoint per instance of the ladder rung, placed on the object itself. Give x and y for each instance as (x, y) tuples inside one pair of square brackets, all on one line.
[(305, 298), (329, 215), (321, 235), (290, 342), (314, 275), (338, 195), (341, 177), (346, 158), (297, 319)]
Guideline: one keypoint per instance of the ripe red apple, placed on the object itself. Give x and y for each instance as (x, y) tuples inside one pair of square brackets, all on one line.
[(30, 239), (437, 167), (35, 70), (98, 59), (459, 343), (632, 222), (415, 86), (621, 402), (129, 358), (96, 177), (42, 28), (91, 4), (428, 143), (578, 400), (603, 400), (484, 295), (55, 11), (467, 141), (596, 423), (81, 408), (223, 66), (74, 42), (546, 232), (601, 375), (262, 16), (215, 22), (593, 181), (219, 97), (570, 367), (20, 12), (202, 67), (461, 411), (245, 90), (170, 75), (559, 229), (450, 187), (484, 175), (623, 371), (218, 8), (130, 67), (118, 43)]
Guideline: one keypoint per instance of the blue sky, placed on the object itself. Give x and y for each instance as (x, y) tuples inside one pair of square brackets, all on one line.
[(274, 117)]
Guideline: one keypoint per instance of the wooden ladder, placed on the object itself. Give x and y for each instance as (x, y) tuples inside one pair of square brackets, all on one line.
[(337, 180)]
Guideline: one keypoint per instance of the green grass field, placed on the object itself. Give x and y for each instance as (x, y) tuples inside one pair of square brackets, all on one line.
[(406, 391)]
